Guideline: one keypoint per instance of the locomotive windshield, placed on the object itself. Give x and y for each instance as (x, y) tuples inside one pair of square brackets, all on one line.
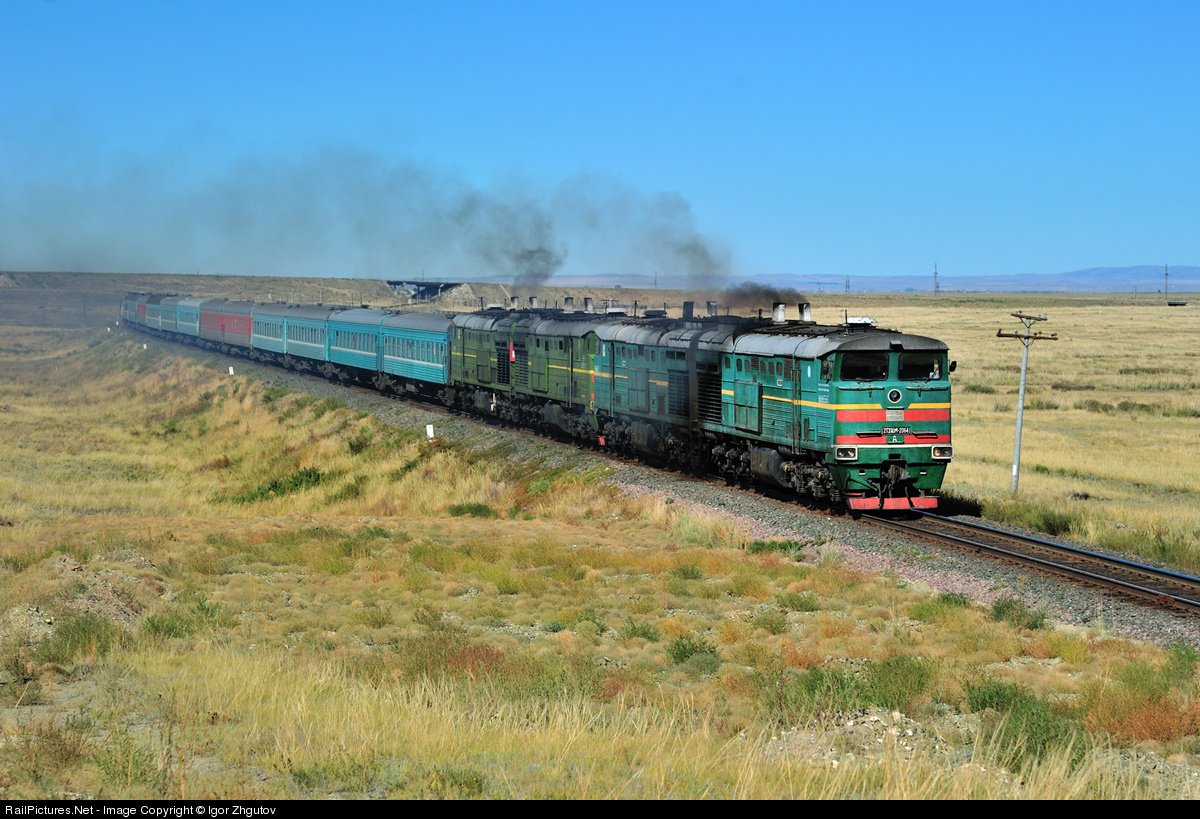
[(920, 367), (864, 366)]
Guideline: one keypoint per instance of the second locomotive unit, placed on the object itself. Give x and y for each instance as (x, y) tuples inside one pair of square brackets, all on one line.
[(849, 415)]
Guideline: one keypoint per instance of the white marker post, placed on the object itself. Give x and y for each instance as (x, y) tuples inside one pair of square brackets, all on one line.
[(429, 431)]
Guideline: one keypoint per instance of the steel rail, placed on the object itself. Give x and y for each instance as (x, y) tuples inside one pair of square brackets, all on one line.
[(1098, 557), (1159, 597)]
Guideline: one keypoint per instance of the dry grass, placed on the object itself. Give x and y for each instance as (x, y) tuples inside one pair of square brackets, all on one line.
[(257, 595)]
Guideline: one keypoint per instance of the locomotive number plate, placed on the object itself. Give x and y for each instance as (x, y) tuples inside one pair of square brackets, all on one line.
[(897, 430), (894, 415)]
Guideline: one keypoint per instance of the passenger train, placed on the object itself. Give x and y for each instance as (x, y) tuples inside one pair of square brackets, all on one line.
[(850, 416)]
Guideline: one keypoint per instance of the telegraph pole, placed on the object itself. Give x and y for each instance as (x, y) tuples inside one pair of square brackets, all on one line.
[(935, 281), (1026, 339)]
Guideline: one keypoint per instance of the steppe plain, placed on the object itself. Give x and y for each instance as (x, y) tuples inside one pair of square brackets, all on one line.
[(215, 586)]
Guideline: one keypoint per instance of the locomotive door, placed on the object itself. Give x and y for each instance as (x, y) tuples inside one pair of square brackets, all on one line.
[(808, 376), (747, 405), (639, 388), (537, 370), (816, 414)]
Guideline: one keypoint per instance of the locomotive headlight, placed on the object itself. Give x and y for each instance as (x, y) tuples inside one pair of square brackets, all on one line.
[(943, 453), (846, 453)]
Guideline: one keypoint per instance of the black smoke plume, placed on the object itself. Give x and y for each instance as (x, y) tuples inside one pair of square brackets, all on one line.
[(752, 295), (340, 211)]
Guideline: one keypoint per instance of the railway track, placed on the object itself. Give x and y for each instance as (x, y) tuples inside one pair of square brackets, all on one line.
[(1159, 587)]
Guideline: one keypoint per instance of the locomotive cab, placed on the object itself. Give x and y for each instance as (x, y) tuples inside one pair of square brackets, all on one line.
[(891, 436)]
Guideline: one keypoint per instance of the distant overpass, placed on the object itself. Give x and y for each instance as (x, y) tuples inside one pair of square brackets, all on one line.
[(421, 291)]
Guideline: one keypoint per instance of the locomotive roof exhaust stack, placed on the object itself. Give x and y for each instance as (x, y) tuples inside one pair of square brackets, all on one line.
[(568, 304), (689, 308), (587, 304), (514, 303), (778, 313), (805, 311), (533, 302), (712, 307)]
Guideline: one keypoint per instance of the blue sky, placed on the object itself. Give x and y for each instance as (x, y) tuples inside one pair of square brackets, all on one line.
[(709, 140)]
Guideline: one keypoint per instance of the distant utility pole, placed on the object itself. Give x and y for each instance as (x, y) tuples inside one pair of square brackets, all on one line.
[(935, 281), (1166, 279), (847, 284), (1026, 339)]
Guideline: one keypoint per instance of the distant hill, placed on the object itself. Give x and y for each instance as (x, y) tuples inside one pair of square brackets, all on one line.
[(1143, 278)]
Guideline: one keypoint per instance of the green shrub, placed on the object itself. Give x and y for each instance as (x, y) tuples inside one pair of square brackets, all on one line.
[(688, 571), (354, 489), (773, 622), (642, 631), (590, 616), (794, 697), (799, 601), (1181, 663), (954, 600), (301, 402), (681, 649), (898, 682), (327, 405), (297, 482), (1025, 728), (168, 625), (429, 617), (698, 665), (982, 389), (474, 510), (788, 547), (273, 394), (79, 635), (994, 694), (1011, 610), (936, 608), (373, 617), (360, 443)]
